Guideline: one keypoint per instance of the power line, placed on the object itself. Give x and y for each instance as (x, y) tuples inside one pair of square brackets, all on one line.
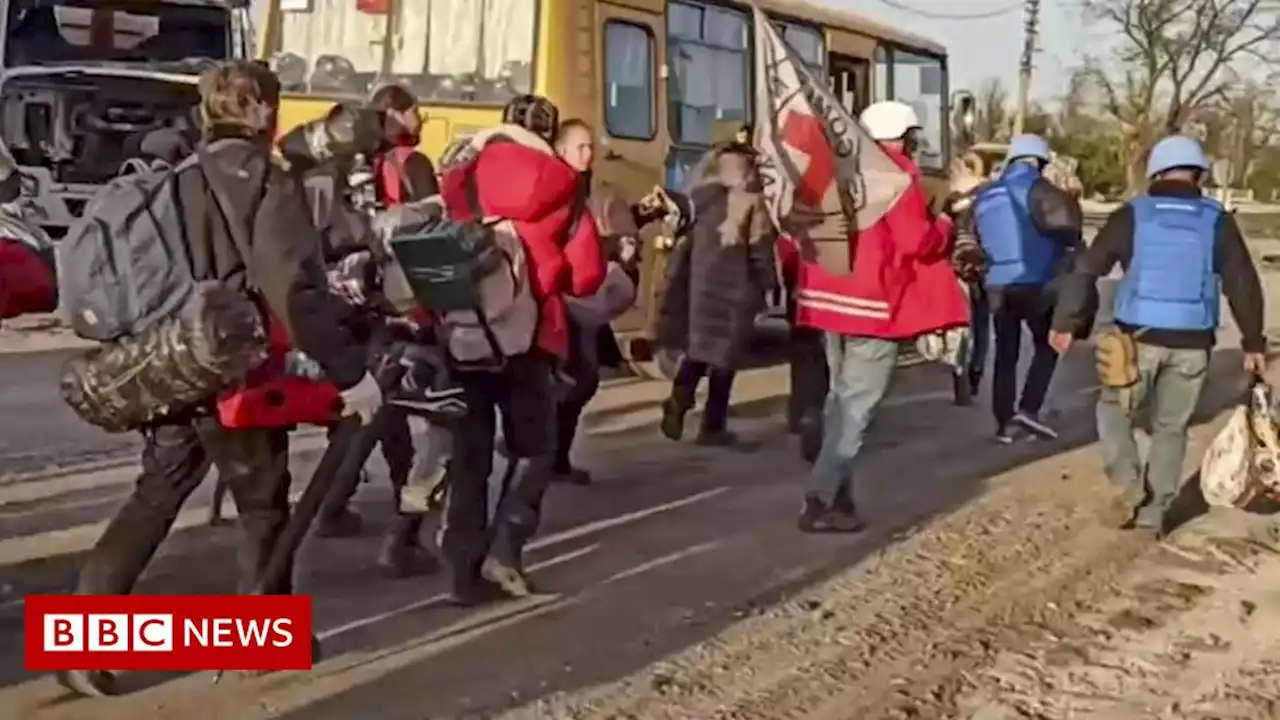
[(997, 12)]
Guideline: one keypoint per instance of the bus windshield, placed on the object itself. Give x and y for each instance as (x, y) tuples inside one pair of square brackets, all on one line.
[(42, 32), (445, 50)]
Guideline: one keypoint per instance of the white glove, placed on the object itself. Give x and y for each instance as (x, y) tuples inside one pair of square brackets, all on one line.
[(627, 250), (363, 399)]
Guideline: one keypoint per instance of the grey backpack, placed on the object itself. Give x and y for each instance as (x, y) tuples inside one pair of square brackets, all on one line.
[(124, 265)]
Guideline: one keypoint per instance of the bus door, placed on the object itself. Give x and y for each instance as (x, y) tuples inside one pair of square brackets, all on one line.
[(849, 76), (632, 120)]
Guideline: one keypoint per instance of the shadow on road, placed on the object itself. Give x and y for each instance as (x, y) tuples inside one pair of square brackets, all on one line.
[(673, 544)]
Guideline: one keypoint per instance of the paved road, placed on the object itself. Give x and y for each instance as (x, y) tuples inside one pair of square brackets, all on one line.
[(673, 542), (670, 581), (37, 430)]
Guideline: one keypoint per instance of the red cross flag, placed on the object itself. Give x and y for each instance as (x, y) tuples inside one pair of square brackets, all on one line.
[(822, 173)]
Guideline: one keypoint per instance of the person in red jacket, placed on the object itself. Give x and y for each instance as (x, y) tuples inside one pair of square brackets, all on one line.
[(512, 172), (901, 286)]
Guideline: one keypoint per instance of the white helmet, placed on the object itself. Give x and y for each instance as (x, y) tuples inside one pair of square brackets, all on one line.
[(889, 119)]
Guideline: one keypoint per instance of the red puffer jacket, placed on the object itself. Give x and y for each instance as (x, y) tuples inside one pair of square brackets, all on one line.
[(901, 284), (518, 177)]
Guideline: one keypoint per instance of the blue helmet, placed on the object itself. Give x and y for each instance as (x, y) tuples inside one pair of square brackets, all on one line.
[(1176, 151), (1028, 146)]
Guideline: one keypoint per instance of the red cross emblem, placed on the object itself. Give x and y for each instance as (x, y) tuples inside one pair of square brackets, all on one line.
[(806, 133)]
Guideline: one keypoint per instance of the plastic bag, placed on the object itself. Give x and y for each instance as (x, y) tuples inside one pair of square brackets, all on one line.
[(1225, 471), (1243, 461)]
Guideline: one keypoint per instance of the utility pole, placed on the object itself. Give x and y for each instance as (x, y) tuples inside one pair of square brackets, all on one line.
[(1031, 29)]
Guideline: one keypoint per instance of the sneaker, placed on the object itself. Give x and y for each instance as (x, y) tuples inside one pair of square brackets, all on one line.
[(426, 387), (817, 517), (672, 420), (1004, 436), (1035, 426), (506, 577)]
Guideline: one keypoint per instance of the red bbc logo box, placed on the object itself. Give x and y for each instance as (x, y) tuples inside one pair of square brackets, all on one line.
[(167, 632)]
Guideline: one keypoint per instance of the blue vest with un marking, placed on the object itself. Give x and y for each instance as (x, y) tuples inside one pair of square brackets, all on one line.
[(1171, 283), (1017, 253)]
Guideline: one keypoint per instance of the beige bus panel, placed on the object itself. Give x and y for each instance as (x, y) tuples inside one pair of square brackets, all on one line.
[(856, 45)]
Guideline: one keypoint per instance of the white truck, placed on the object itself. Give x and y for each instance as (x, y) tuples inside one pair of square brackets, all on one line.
[(81, 84)]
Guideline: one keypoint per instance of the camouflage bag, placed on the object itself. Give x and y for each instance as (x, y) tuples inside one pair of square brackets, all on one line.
[(211, 343)]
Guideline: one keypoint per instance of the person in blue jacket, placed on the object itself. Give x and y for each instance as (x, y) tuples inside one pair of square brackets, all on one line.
[(1029, 229), (1178, 249)]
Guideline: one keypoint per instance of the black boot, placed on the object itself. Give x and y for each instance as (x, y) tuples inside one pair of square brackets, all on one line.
[(402, 554), (673, 412), (469, 589)]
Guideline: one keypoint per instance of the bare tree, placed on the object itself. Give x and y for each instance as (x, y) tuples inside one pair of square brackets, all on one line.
[(991, 123), (1176, 57)]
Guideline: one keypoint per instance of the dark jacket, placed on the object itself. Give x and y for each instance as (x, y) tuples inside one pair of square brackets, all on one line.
[(264, 206), (1114, 244), (718, 276)]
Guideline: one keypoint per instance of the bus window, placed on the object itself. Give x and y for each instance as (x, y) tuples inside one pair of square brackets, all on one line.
[(628, 81), (807, 43), (918, 80), (707, 51), (450, 50)]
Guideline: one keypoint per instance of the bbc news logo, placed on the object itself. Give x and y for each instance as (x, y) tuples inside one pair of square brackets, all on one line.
[(168, 632)]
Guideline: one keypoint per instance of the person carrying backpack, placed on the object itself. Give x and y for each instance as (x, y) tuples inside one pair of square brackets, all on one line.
[(246, 228), (505, 188), (400, 175)]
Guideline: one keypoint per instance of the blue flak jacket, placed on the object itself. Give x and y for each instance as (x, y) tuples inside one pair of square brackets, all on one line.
[(1017, 252), (1171, 283)]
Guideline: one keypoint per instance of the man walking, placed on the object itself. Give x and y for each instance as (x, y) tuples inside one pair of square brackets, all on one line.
[(1028, 227), (1177, 248)]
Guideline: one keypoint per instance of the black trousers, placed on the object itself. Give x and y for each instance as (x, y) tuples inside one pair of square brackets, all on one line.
[(1012, 309), (175, 459), (523, 392), (684, 390), (584, 370), (396, 443), (980, 331), (810, 377)]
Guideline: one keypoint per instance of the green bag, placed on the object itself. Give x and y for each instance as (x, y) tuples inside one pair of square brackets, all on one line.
[(473, 276), (444, 261)]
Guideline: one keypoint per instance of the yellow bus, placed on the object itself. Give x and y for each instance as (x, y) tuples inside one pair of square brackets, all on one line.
[(660, 80)]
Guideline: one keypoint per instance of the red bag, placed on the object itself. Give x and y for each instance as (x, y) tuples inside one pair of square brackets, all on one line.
[(27, 282), (272, 398)]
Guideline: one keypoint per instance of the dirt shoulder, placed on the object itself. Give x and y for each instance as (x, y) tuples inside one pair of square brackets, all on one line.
[(1023, 604)]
